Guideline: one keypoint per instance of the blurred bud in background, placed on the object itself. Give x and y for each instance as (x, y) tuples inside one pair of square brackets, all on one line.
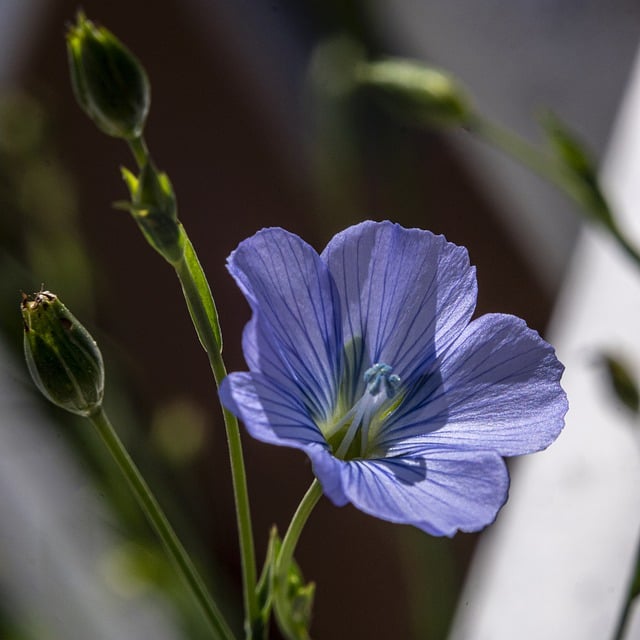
[(415, 92)]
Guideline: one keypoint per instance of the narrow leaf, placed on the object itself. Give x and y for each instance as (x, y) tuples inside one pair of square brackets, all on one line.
[(198, 296)]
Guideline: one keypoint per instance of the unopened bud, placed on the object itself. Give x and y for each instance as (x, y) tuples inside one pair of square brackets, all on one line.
[(417, 93), (109, 82), (63, 359)]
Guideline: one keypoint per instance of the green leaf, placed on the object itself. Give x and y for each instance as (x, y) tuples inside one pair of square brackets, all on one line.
[(198, 296)]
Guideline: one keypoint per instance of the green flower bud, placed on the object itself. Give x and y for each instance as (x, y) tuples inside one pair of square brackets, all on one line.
[(420, 94), (108, 81), (63, 359), (154, 208)]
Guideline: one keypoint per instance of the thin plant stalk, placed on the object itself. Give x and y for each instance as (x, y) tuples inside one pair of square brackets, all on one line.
[(160, 524), (299, 519), (547, 168), (631, 595), (285, 557), (204, 315), (197, 306)]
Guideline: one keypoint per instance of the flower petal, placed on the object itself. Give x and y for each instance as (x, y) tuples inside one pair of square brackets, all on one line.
[(445, 491), (497, 388), (296, 329), (406, 292), (269, 413)]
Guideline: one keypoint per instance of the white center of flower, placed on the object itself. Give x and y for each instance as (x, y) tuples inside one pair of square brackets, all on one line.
[(382, 385)]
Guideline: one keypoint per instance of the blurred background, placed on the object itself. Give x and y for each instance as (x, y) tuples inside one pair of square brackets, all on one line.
[(250, 120)]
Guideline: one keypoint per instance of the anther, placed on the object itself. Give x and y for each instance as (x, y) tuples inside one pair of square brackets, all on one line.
[(378, 378), (379, 375)]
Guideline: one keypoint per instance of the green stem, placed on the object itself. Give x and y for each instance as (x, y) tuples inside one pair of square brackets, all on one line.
[(284, 560), (518, 148), (205, 319), (204, 315), (624, 243), (546, 167), (161, 525), (632, 593), (139, 149), (300, 517)]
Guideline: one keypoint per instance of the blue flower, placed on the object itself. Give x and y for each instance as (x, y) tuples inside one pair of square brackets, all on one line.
[(366, 358)]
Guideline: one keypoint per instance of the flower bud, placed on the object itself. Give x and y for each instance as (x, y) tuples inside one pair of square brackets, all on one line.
[(108, 80), (415, 92), (63, 359), (154, 208)]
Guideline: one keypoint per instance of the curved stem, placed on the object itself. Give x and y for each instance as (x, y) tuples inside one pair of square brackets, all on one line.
[(300, 517), (632, 593), (624, 243), (281, 570), (161, 525), (518, 148)]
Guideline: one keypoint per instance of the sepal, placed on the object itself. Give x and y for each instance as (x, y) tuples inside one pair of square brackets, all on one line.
[(283, 590), (154, 208), (293, 602), (295, 606)]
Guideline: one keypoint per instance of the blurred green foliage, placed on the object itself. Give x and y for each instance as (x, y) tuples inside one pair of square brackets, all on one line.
[(40, 239)]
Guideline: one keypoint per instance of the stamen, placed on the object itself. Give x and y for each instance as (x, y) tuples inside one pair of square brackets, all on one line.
[(382, 385), (380, 375)]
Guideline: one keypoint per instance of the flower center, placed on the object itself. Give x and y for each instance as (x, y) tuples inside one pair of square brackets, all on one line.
[(381, 386)]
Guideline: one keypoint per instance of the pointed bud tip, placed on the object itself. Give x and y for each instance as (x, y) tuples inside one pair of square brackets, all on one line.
[(63, 359)]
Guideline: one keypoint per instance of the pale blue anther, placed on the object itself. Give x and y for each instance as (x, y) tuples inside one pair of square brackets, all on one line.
[(378, 376)]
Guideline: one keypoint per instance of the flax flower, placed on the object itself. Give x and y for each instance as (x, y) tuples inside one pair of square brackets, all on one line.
[(366, 358)]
